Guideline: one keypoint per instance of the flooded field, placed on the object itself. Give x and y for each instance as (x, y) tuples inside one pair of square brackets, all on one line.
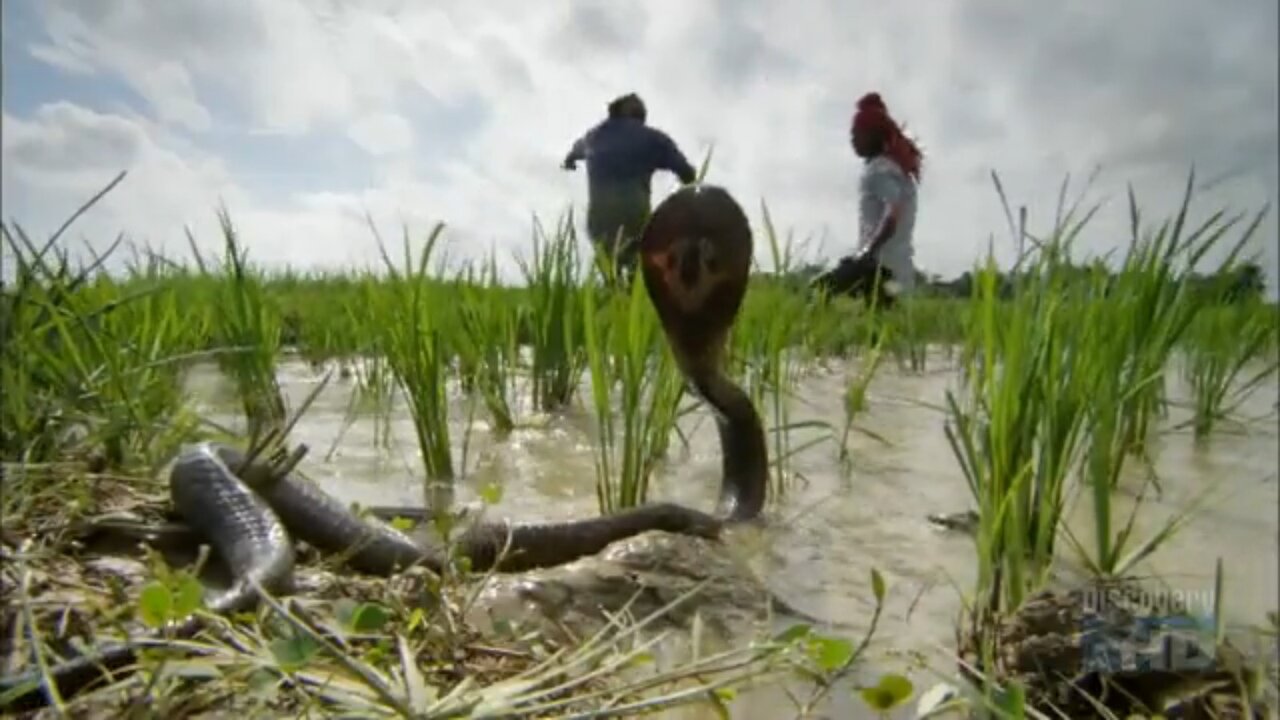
[(834, 524), (1060, 352)]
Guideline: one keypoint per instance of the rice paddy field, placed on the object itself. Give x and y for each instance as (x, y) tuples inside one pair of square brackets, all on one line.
[(1104, 423)]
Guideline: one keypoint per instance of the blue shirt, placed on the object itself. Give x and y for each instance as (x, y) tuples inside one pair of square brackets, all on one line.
[(622, 155)]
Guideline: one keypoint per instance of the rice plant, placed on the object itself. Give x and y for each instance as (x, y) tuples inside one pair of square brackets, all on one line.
[(1153, 303), (621, 339), (91, 366), (554, 315), (488, 344), (768, 349), (855, 398), (1058, 386), (247, 327), (417, 350), (1225, 360)]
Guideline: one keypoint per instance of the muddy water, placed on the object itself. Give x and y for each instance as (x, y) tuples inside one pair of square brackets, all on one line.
[(834, 524)]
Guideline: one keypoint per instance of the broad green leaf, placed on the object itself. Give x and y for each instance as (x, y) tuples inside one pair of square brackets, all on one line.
[(189, 596), (891, 691), (369, 617), (830, 653), (155, 604)]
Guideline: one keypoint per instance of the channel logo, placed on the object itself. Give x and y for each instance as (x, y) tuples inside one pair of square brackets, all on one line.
[(1174, 643)]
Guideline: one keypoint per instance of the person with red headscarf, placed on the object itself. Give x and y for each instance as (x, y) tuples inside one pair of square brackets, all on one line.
[(882, 267)]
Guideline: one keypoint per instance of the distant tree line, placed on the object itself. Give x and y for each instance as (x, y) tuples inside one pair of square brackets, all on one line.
[(1238, 283)]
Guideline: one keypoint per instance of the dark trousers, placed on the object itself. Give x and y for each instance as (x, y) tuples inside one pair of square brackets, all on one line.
[(857, 277), (615, 224)]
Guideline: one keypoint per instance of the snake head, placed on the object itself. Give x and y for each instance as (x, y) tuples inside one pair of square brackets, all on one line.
[(696, 258)]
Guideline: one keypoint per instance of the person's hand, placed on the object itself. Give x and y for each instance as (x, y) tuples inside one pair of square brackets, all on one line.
[(569, 164)]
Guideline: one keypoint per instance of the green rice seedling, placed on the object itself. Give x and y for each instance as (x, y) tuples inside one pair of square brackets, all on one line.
[(373, 391), (1104, 460), (249, 327), (1226, 360), (608, 265), (855, 398), (767, 354), (377, 385), (89, 370), (621, 339), (315, 307), (412, 337), (488, 344), (764, 365), (1009, 407), (1016, 424), (825, 330), (909, 343), (1049, 392), (767, 343), (554, 316), (1124, 358), (357, 352), (1153, 303)]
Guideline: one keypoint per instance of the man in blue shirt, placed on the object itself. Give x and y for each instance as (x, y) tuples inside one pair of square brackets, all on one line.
[(622, 153)]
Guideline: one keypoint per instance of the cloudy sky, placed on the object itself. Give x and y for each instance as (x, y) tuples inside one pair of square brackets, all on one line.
[(304, 115)]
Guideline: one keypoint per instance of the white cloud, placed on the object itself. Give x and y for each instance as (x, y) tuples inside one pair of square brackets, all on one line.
[(467, 108), (63, 154), (382, 134)]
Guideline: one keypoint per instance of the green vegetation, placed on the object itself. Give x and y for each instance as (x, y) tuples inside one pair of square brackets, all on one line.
[(1060, 387), (1062, 372)]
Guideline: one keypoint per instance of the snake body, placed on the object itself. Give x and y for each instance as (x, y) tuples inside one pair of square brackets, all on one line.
[(695, 252)]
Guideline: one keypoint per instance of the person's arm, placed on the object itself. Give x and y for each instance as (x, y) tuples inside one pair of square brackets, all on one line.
[(887, 186), (667, 156), (576, 153)]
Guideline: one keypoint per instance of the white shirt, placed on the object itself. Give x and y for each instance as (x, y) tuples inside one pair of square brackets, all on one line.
[(883, 182)]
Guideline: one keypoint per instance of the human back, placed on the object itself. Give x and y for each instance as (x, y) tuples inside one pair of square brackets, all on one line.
[(622, 152)]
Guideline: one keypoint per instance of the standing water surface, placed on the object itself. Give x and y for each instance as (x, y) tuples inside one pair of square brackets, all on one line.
[(833, 526)]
